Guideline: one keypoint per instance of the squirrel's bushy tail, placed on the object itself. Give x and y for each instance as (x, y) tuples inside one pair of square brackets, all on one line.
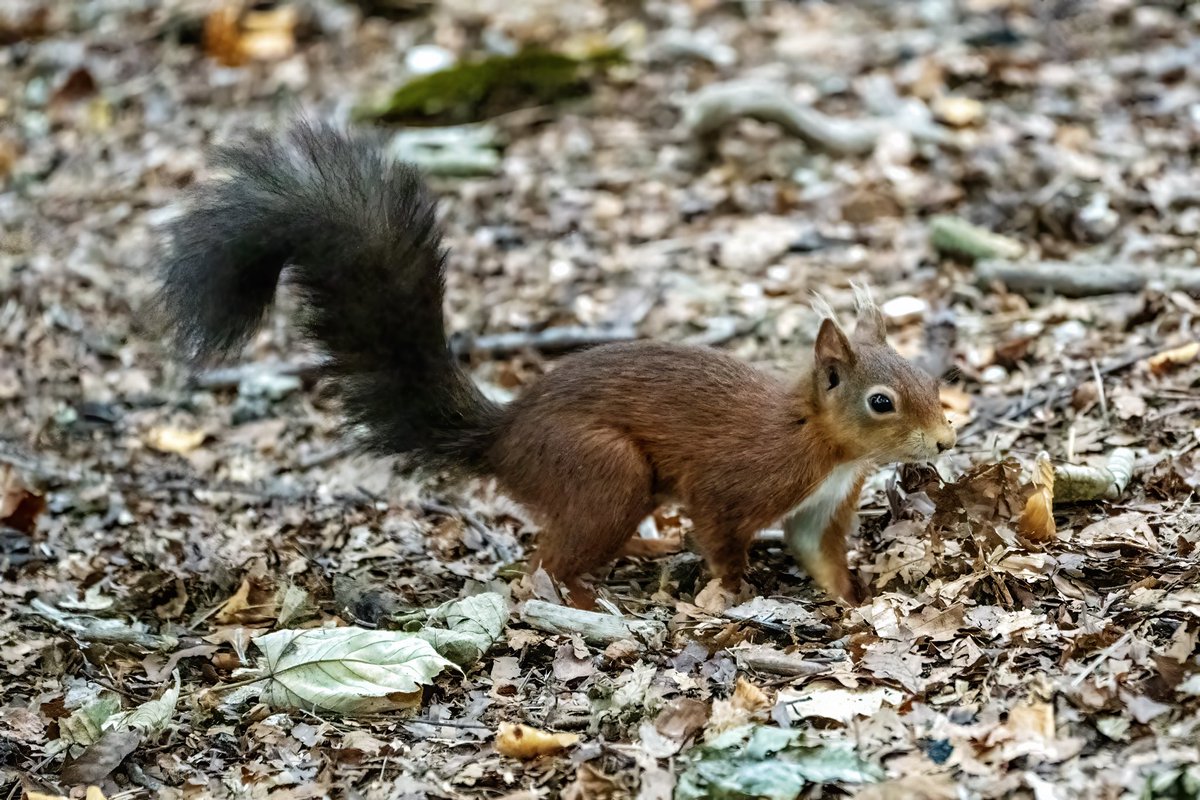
[(358, 236)]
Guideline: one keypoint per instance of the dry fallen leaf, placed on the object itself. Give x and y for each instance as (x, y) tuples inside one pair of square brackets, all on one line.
[(1037, 520), (20, 506), (591, 783), (524, 742), (748, 703), (180, 441), (1162, 363), (253, 602), (93, 793), (234, 35), (715, 599), (955, 400), (682, 718)]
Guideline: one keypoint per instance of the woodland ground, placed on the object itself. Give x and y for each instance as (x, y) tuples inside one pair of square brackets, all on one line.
[(986, 664)]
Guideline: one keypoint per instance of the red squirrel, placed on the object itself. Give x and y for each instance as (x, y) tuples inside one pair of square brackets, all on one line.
[(592, 447)]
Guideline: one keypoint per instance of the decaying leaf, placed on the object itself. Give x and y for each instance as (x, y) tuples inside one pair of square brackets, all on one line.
[(1037, 520), (150, 718), (682, 719), (86, 724), (474, 90), (346, 670), (714, 598), (254, 602), (473, 625), (592, 783), (524, 742), (101, 757)]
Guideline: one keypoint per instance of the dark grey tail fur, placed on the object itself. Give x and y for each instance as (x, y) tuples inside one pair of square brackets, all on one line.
[(359, 237)]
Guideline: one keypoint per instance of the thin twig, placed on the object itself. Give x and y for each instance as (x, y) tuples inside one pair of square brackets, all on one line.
[(1104, 655), (1050, 396)]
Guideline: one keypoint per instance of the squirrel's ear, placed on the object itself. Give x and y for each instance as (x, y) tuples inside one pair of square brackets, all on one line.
[(871, 326), (833, 348)]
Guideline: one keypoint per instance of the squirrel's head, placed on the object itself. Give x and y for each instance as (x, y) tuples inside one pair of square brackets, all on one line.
[(876, 404)]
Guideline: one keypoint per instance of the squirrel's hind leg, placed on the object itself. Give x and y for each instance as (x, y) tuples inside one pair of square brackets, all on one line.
[(588, 517)]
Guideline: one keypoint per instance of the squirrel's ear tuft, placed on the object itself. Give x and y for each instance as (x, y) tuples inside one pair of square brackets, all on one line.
[(821, 306), (832, 346), (871, 326)]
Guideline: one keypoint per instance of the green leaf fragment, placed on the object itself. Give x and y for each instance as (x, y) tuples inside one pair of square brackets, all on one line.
[(762, 761), (473, 90)]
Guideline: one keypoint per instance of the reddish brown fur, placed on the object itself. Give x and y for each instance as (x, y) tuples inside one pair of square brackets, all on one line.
[(595, 445)]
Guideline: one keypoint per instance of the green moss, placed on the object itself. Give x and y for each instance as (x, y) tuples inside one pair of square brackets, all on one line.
[(475, 90)]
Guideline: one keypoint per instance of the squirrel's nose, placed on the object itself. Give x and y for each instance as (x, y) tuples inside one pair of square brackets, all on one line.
[(946, 441), (944, 446)]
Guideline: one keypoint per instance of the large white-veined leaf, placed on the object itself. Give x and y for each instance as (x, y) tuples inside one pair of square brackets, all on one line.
[(346, 670)]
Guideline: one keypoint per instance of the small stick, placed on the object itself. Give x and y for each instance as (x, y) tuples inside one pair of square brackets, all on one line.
[(776, 662), (594, 627), (1099, 389), (551, 340), (1068, 279)]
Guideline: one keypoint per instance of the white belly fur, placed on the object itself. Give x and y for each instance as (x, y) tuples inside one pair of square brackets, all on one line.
[(803, 527)]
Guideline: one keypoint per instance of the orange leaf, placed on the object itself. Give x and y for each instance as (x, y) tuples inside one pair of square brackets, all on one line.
[(1037, 520), (1162, 363), (524, 742)]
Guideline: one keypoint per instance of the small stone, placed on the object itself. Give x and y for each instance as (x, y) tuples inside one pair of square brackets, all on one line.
[(994, 374), (905, 309), (426, 58), (958, 111)]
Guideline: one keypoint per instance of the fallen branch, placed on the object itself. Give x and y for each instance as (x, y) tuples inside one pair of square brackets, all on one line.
[(761, 658), (1075, 483), (458, 151), (1051, 395), (225, 378), (960, 238), (1068, 279), (103, 631), (715, 105), (594, 627)]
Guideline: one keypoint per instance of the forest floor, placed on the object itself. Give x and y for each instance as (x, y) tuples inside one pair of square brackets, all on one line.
[(154, 522)]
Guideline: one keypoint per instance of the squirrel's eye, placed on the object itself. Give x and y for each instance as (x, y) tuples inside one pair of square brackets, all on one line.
[(881, 404), (833, 378)]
